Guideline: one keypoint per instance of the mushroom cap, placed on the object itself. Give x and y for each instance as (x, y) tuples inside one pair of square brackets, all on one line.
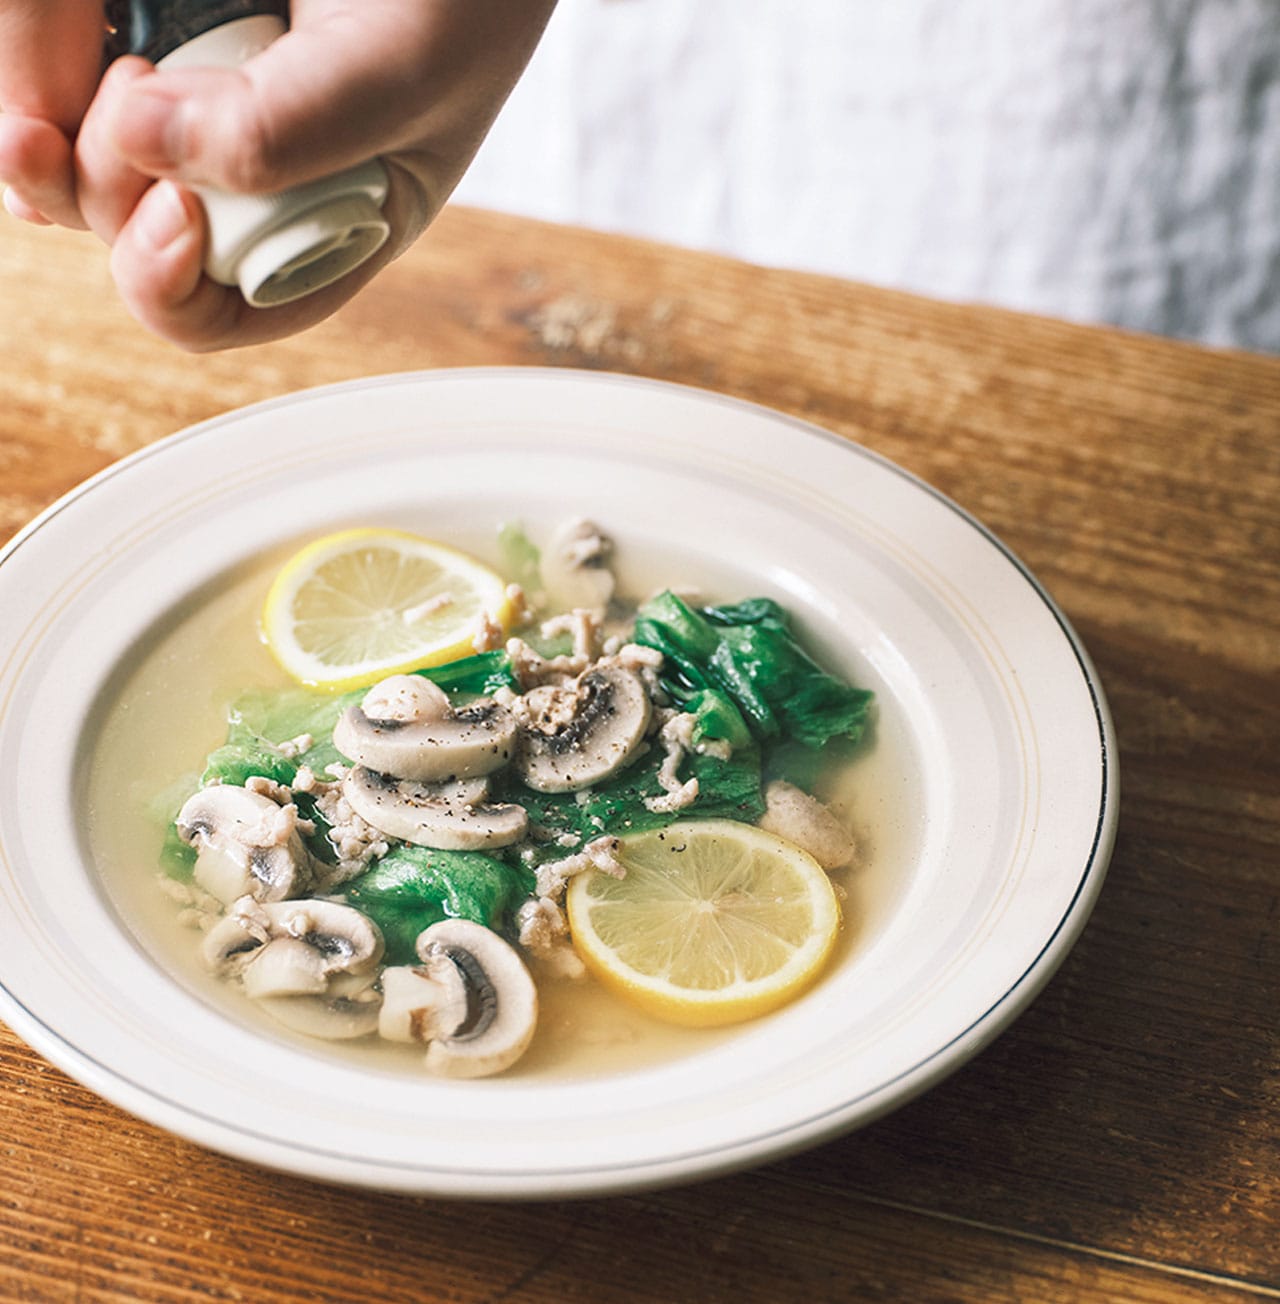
[(406, 698), (576, 734), (478, 1003), (245, 844), (236, 940), (475, 740), (447, 816)]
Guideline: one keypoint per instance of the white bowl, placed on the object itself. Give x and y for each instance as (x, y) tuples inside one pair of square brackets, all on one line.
[(989, 793)]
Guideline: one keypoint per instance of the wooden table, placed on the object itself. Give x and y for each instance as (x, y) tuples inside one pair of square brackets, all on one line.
[(1121, 1141)]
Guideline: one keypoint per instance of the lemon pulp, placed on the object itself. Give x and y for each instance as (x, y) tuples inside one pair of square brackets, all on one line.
[(714, 922), (355, 606)]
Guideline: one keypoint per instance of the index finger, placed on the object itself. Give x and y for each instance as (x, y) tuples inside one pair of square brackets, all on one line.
[(50, 58)]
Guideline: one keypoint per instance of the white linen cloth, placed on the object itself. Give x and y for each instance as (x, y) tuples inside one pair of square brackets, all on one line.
[(1101, 160)]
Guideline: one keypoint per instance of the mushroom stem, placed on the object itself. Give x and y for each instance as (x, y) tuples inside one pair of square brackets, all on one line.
[(471, 1001)]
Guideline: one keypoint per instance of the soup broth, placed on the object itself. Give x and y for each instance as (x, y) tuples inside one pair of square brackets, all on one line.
[(168, 707)]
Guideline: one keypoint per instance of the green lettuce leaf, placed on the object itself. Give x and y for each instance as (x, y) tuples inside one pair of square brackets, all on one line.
[(177, 858), (411, 888), (247, 753), (521, 559), (748, 653), (727, 789)]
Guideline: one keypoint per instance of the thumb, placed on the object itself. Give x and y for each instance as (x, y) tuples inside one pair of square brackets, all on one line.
[(311, 103), (346, 82)]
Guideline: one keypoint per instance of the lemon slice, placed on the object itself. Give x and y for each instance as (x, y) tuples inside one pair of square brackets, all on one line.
[(358, 605), (714, 922)]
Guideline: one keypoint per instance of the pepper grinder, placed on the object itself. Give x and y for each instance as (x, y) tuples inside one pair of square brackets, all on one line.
[(280, 246)]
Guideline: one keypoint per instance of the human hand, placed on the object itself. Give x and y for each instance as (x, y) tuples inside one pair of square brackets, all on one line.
[(416, 84)]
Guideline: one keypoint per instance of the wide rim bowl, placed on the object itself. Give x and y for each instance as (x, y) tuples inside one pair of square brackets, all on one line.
[(993, 815)]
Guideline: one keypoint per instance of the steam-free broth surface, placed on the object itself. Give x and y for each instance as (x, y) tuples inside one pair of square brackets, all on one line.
[(168, 708)]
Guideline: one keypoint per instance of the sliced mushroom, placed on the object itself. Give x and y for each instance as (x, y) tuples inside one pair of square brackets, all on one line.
[(574, 567), (791, 813), (245, 844), (311, 965), (422, 737), (471, 1000), (236, 940), (292, 948), (576, 734), (349, 1008), (448, 816)]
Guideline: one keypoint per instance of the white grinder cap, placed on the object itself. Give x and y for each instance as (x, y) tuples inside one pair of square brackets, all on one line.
[(279, 247), (283, 246)]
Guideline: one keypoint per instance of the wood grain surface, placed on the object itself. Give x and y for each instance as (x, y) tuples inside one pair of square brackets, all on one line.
[(1121, 1141)]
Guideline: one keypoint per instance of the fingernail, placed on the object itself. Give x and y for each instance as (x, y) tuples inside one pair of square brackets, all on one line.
[(162, 216)]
